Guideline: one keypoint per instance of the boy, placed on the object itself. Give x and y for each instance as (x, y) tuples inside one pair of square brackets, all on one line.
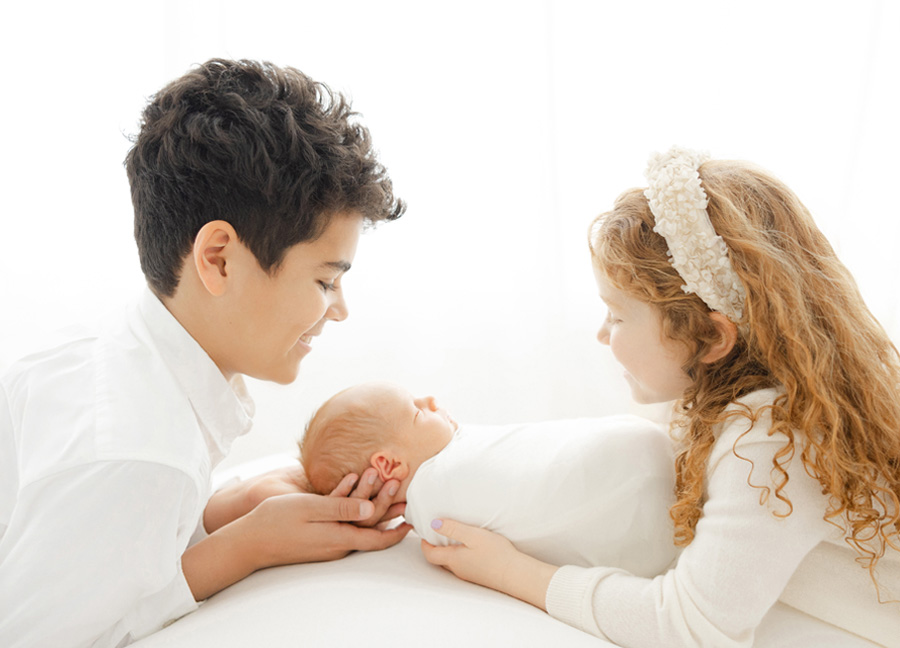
[(250, 185), (586, 492)]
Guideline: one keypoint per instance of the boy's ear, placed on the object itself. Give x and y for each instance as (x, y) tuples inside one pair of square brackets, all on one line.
[(727, 339), (389, 466), (212, 248)]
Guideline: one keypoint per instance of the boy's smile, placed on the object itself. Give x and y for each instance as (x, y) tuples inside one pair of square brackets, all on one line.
[(263, 325)]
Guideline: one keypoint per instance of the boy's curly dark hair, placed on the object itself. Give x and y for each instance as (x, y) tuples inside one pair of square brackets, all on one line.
[(267, 149)]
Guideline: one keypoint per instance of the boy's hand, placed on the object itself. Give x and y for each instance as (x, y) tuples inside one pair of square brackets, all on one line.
[(486, 558), (281, 530), (239, 499), (369, 487), (295, 528)]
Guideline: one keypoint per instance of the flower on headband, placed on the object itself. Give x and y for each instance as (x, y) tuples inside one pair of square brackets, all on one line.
[(700, 256)]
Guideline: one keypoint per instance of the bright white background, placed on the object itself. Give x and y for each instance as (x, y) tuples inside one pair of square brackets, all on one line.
[(505, 125)]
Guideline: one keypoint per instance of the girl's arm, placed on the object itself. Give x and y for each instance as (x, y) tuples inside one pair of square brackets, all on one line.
[(488, 559), (723, 584)]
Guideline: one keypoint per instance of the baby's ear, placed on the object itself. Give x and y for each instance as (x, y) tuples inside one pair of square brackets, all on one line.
[(389, 466)]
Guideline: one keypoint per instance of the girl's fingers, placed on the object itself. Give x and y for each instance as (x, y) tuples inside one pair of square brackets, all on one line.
[(439, 556), (461, 533)]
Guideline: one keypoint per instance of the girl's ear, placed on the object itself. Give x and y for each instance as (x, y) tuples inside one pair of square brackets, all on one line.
[(727, 339), (210, 253), (389, 466)]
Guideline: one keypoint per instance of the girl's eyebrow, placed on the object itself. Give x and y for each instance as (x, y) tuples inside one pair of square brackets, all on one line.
[(609, 302)]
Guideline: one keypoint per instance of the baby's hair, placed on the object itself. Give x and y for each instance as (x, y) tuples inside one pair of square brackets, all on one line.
[(338, 443), (805, 328)]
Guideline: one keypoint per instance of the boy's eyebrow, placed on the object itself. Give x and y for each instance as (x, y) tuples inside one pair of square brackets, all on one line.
[(343, 266)]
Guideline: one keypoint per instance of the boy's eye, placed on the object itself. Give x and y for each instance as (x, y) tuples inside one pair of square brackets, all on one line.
[(327, 286)]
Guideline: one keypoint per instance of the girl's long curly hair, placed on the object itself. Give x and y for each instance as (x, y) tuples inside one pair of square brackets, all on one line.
[(805, 329)]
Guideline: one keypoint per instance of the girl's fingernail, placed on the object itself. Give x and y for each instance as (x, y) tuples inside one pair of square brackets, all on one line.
[(366, 509), (437, 524), (372, 478), (392, 491)]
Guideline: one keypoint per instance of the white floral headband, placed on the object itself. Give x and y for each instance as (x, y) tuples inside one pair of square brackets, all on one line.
[(700, 256)]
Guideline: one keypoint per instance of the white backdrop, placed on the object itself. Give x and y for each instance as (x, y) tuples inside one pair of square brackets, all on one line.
[(505, 125)]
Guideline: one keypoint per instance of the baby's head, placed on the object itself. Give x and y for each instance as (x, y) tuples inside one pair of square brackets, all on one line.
[(373, 424)]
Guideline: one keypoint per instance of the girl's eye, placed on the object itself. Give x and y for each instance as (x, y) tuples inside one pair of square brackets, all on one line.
[(327, 287)]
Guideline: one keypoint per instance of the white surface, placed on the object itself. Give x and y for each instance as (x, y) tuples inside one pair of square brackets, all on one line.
[(389, 598), (394, 599)]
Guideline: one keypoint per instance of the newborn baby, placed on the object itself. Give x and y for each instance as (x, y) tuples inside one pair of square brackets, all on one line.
[(579, 492)]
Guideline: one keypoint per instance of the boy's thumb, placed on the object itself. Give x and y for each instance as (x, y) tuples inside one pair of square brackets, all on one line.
[(345, 509)]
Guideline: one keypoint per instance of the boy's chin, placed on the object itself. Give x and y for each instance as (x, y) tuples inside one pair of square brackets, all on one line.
[(283, 375)]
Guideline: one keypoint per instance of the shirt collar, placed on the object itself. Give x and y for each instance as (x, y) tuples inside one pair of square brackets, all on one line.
[(223, 407)]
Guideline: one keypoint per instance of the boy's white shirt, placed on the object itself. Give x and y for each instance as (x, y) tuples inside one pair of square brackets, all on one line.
[(742, 560), (580, 491), (107, 443)]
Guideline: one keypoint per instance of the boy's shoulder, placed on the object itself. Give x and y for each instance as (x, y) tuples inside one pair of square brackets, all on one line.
[(102, 395)]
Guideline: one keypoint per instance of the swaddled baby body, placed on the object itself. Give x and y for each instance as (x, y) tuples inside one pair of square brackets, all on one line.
[(581, 492)]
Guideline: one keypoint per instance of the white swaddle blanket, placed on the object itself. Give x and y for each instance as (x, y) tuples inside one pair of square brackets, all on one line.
[(577, 492)]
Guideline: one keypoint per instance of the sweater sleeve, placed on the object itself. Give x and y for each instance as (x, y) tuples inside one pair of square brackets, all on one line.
[(724, 582)]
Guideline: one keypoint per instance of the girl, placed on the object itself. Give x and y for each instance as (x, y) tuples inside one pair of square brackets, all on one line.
[(724, 295)]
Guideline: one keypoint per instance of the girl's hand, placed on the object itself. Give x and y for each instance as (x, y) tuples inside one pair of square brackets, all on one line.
[(489, 559)]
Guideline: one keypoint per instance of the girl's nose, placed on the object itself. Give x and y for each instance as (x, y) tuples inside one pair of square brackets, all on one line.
[(603, 334)]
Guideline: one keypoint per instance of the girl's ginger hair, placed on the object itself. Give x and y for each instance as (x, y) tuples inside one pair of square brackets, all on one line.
[(805, 329)]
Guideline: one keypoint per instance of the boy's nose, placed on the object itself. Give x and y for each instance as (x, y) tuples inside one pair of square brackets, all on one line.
[(338, 310)]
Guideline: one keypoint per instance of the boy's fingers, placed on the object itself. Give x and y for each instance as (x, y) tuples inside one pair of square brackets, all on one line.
[(340, 509), (395, 510), (368, 482), (344, 487), (375, 540)]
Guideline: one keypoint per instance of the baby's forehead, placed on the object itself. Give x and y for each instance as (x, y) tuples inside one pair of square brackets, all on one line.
[(379, 394), (375, 398)]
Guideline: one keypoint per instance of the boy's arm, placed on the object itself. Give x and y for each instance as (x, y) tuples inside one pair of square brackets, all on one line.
[(232, 502), (283, 529), (92, 553), (235, 501)]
